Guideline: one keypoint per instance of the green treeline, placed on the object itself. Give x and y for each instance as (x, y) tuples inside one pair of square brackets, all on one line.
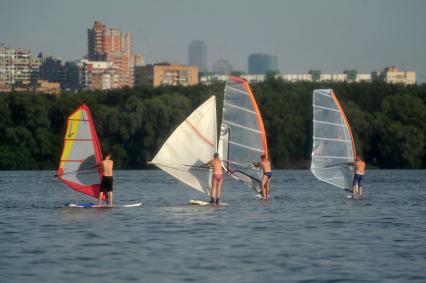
[(388, 122)]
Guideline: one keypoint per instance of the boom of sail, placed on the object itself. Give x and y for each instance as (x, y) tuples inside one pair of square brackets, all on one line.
[(333, 149), (190, 146), (81, 154), (242, 134)]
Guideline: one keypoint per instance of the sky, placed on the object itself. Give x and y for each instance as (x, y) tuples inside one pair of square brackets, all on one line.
[(329, 35)]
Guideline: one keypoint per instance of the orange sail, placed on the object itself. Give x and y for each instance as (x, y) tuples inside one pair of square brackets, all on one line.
[(242, 135)]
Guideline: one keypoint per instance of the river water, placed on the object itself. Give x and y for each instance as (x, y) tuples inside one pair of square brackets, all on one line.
[(309, 233)]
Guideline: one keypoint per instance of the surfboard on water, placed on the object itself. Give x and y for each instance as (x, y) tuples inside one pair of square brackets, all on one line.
[(92, 205), (351, 196), (333, 149), (190, 146), (242, 134), (259, 196), (201, 202)]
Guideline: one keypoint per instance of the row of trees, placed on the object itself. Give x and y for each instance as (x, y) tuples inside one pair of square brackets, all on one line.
[(388, 122)]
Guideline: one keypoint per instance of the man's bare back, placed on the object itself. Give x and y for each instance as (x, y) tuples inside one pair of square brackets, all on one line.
[(217, 166), (107, 166)]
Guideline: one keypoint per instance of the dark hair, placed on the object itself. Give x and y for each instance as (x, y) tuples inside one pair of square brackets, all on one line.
[(107, 153), (216, 155), (263, 156)]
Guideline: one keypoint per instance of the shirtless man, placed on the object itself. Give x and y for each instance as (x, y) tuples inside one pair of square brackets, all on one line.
[(217, 178), (358, 177), (265, 182), (106, 183)]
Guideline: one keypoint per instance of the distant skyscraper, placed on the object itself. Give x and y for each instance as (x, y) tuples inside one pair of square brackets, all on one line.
[(197, 55), (259, 63), (112, 45), (222, 67), (138, 60)]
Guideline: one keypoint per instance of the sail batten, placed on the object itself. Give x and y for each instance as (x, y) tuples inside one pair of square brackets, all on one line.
[(190, 146), (81, 154), (333, 149), (242, 136), (242, 108), (242, 126), (236, 90)]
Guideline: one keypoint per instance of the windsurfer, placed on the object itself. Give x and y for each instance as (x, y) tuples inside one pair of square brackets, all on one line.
[(106, 183), (265, 182), (358, 177), (217, 178)]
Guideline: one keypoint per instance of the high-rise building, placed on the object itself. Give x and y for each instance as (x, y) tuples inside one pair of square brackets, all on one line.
[(111, 45), (18, 67), (138, 60), (197, 55), (52, 70), (259, 63), (166, 74), (222, 67)]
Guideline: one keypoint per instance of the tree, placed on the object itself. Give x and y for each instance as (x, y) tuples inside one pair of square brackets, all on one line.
[(351, 74), (316, 75)]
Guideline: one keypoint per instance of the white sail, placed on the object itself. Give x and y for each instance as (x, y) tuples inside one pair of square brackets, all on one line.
[(242, 135), (191, 145), (333, 146)]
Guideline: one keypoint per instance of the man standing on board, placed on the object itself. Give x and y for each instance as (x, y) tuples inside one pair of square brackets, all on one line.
[(106, 183), (265, 182), (358, 177), (217, 178)]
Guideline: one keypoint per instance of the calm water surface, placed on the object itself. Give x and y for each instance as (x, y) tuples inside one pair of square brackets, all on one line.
[(310, 233)]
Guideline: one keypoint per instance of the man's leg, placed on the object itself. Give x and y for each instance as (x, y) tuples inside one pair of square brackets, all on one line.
[(354, 187), (110, 197), (101, 194), (263, 186), (361, 178), (268, 182), (214, 183), (219, 188)]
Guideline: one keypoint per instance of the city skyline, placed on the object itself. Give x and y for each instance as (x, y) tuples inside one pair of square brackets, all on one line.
[(328, 35)]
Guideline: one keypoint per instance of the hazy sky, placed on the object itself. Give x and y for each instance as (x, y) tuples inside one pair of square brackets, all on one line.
[(330, 35)]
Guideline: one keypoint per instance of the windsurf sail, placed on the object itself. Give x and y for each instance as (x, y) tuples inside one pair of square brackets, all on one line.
[(190, 146), (81, 154), (333, 149), (242, 134)]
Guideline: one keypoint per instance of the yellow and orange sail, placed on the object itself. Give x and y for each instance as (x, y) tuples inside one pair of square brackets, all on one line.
[(81, 154)]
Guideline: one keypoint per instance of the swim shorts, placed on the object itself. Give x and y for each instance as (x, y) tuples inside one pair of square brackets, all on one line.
[(268, 174), (106, 184), (218, 177), (358, 178)]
